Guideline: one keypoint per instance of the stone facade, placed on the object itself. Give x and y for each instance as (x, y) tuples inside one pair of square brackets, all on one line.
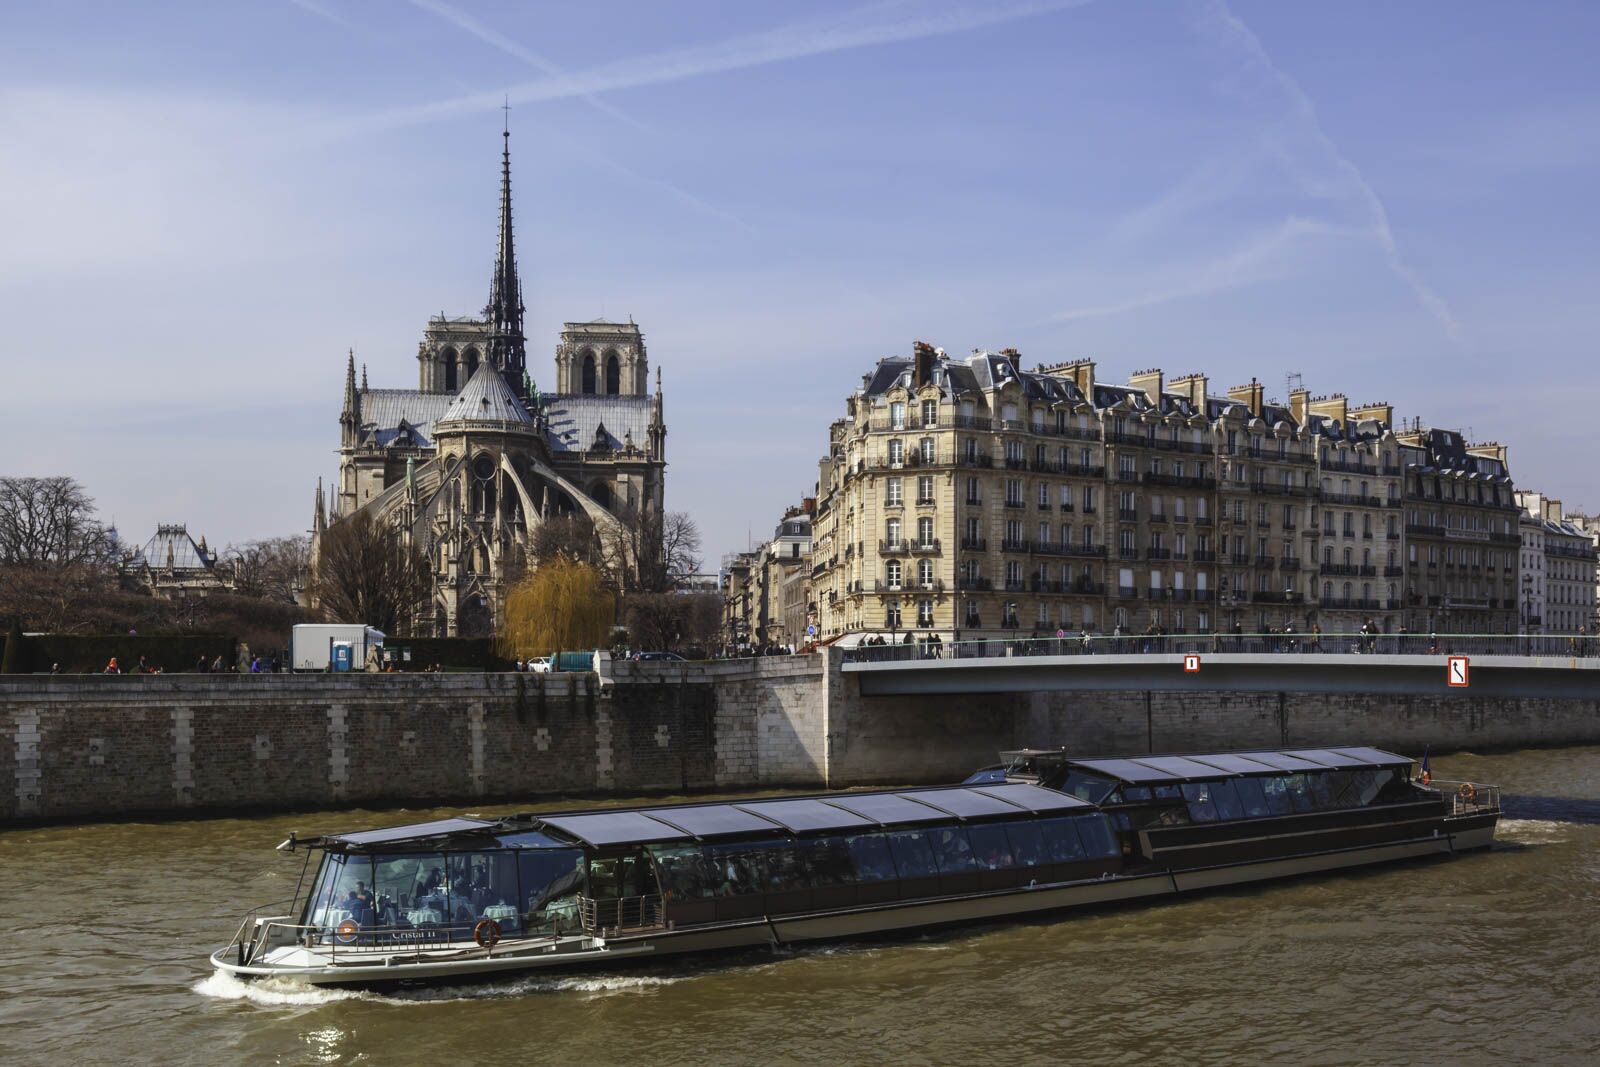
[(767, 597), (1561, 570), (973, 498), (473, 459)]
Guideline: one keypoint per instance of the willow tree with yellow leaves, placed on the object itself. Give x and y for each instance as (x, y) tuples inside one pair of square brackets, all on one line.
[(562, 605)]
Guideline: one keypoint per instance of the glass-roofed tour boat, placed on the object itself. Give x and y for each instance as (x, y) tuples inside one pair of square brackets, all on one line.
[(470, 898)]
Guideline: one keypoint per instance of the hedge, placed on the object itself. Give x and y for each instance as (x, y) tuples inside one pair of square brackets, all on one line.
[(89, 653)]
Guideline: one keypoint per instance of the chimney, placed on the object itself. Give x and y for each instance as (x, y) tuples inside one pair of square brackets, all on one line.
[(1298, 399), (922, 371), (1194, 387), (1383, 411), (1248, 395), (1149, 382), (1080, 372), (1333, 407)]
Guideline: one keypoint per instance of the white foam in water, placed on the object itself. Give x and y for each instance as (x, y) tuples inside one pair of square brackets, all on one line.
[(1533, 829), (273, 992)]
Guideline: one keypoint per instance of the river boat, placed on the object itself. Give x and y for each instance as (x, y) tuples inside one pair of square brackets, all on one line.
[(473, 898)]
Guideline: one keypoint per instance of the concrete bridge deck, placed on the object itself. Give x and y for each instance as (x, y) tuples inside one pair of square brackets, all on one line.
[(1488, 675)]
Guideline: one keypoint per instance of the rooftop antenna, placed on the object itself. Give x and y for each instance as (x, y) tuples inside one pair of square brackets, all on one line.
[(1294, 380)]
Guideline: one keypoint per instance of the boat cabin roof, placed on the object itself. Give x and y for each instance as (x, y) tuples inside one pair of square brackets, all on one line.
[(1150, 770), (836, 812)]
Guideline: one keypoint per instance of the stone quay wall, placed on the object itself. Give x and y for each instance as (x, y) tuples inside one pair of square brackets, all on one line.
[(91, 747), (94, 747)]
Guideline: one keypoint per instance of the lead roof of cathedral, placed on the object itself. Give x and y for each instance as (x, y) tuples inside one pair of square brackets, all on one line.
[(486, 398), (576, 418), (390, 410)]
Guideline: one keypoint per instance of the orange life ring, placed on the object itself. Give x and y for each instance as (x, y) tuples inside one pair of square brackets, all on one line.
[(486, 933), (1468, 792), (348, 930)]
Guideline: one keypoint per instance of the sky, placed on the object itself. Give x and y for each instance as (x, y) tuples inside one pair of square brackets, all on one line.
[(204, 206)]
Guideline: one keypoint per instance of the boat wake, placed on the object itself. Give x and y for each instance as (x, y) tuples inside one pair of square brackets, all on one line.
[(274, 992), (288, 993)]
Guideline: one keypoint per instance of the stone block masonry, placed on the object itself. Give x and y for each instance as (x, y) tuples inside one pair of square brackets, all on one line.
[(92, 747)]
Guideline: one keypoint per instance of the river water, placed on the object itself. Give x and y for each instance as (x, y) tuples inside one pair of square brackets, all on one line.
[(1491, 958)]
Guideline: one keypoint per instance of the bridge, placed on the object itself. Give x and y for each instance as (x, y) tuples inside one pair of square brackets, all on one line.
[(1502, 666)]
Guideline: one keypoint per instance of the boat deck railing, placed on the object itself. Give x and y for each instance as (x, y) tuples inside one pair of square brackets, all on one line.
[(621, 913), (362, 941), (1467, 798)]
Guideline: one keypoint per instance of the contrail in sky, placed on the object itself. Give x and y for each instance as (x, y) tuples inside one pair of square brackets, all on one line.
[(861, 28)]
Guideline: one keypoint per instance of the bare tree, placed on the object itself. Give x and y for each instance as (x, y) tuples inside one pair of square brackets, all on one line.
[(368, 572), (50, 523), (668, 621), (571, 537), (653, 551), (273, 569)]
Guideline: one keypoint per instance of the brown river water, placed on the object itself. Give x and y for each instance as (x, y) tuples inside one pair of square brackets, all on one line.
[(1488, 958)]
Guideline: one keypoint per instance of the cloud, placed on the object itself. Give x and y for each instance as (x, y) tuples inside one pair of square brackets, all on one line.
[(1330, 173), (1257, 260), (860, 28)]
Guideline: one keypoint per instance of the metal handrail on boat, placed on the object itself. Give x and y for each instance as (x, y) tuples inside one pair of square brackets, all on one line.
[(1466, 798), (599, 915)]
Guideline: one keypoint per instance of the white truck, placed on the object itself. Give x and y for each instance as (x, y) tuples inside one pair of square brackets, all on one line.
[(334, 646)]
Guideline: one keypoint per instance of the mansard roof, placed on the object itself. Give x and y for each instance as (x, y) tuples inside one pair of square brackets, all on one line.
[(486, 398), (576, 418)]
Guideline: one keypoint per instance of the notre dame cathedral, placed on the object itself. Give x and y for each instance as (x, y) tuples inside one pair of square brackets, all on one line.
[(473, 459)]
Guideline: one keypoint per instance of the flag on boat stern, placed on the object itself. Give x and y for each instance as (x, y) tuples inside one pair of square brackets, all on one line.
[(1427, 775)]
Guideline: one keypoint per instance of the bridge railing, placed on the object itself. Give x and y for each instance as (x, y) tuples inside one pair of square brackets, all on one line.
[(921, 647)]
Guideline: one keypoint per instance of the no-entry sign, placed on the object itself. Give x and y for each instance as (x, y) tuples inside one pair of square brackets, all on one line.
[(1456, 674)]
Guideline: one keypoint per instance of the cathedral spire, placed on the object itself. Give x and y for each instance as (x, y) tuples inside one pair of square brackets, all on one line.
[(350, 417), (507, 348), (319, 517)]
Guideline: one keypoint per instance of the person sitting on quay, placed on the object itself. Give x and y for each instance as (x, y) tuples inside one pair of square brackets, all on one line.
[(112, 668)]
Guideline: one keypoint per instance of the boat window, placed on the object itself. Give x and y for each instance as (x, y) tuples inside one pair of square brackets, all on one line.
[(483, 885), (870, 853), (620, 877), (787, 868), (1167, 792), (1098, 839), (1339, 789), (951, 849), (913, 855), (344, 891), (738, 868), (1252, 797), (991, 846), (1370, 783), (1090, 787), (682, 871), (1276, 791), (1135, 793), (1198, 794), (1299, 793), (1317, 783), (551, 882), (1226, 798), (399, 883), (1177, 815), (829, 861), (1027, 843), (1061, 841)]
